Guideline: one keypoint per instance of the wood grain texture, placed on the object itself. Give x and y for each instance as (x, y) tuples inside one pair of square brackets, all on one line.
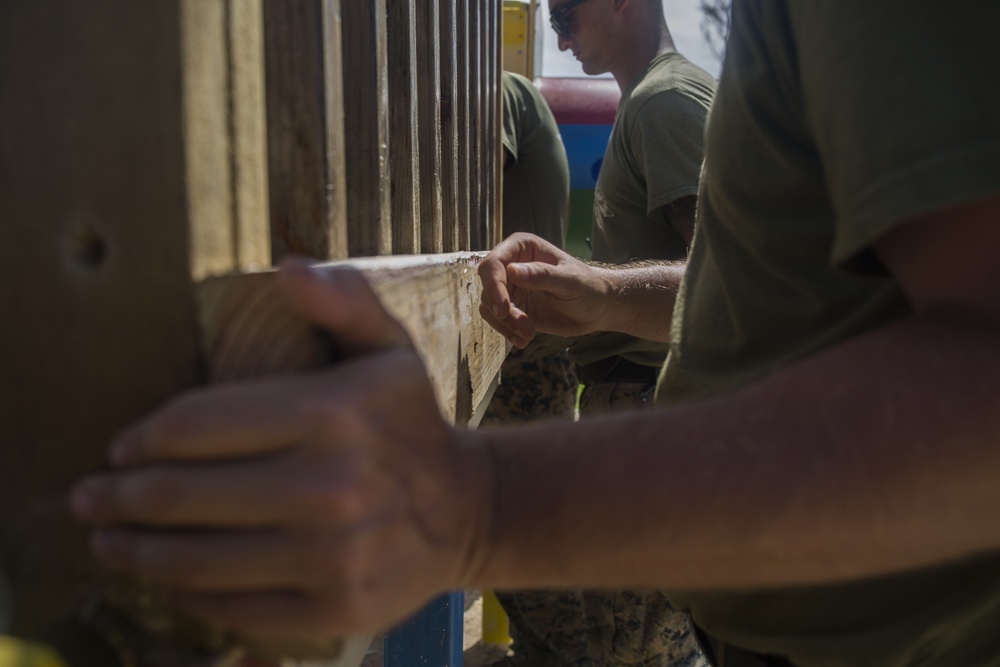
[(249, 330), (448, 22), (497, 143), (475, 50), (223, 121), (464, 189), (428, 118), (248, 132), (305, 129), (366, 128), (117, 188), (404, 128)]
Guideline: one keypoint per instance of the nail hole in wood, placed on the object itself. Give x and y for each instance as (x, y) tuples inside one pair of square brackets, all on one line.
[(88, 249)]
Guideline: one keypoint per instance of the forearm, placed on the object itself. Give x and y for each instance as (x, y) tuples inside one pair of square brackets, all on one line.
[(642, 299), (876, 456)]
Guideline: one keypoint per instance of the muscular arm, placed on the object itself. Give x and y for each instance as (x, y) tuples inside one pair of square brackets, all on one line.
[(876, 456)]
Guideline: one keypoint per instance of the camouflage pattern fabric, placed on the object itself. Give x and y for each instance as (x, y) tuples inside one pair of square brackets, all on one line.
[(534, 389), (549, 628), (574, 628), (600, 398), (639, 628)]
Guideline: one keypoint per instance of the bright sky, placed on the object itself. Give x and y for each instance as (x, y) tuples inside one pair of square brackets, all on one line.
[(683, 18)]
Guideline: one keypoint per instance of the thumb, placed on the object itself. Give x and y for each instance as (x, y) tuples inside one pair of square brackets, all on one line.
[(340, 301)]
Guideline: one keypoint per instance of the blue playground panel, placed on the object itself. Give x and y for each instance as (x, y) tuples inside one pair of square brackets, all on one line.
[(585, 146), (431, 638)]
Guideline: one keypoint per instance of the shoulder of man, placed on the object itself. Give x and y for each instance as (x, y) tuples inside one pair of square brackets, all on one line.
[(672, 85)]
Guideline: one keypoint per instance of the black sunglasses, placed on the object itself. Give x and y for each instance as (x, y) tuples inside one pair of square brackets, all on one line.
[(559, 18)]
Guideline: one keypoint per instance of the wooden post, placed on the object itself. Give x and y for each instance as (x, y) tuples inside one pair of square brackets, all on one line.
[(305, 128), (133, 162), (366, 128)]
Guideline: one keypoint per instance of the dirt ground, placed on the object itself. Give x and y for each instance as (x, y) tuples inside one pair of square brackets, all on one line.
[(475, 653)]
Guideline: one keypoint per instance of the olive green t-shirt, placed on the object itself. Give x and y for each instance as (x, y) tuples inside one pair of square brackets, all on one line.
[(653, 158), (834, 121), (536, 173)]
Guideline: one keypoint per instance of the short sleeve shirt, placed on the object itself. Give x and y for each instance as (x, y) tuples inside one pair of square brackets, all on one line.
[(654, 157), (835, 121), (536, 173)]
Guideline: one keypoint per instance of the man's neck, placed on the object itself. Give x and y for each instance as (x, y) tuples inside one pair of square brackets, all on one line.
[(638, 55)]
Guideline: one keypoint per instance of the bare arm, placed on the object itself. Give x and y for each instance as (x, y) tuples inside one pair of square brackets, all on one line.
[(875, 456), (339, 501), (531, 286)]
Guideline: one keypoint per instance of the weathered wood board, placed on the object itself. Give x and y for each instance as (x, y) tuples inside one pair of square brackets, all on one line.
[(240, 327)]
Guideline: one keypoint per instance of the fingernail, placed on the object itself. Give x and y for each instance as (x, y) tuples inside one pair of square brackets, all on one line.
[(84, 498), (124, 449)]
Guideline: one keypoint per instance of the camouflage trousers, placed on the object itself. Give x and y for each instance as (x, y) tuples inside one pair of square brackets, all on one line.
[(533, 390), (596, 628)]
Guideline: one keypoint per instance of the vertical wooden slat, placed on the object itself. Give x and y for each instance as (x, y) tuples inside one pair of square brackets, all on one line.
[(222, 57), (403, 127), (484, 120), (336, 152), (429, 113), (366, 128), (498, 125), (476, 123), (462, 113), (489, 89), (248, 128), (305, 128), (449, 124)]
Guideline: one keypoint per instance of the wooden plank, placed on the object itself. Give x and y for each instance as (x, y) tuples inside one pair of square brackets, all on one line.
[(404, 129), (489, 92), (305, 128), (464, 134), (248, 130), (249, 330), (228, 210), (366, 128), (448, 22), (484, 119), (428, 114), (498, 124), (476, 123)]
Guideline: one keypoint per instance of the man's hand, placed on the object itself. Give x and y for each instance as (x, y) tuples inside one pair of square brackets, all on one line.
[(531, 286), (304, 506)]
